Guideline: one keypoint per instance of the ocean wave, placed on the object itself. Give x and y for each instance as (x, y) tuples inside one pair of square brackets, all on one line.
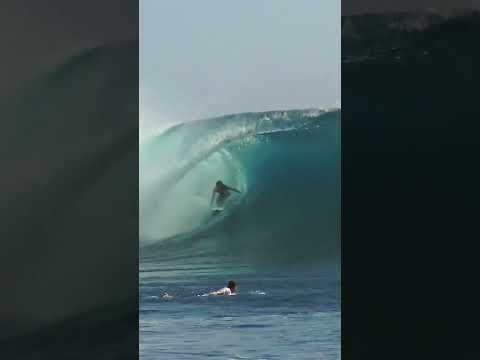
[(285, 163)]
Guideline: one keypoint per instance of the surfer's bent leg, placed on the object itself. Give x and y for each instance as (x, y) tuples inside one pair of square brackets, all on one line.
[(222, 198)]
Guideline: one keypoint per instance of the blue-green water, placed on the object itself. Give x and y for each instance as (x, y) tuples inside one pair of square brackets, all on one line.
[(279, 240), (276, 315)]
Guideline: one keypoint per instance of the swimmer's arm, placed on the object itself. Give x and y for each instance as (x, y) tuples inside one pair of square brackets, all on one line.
[(218, 293)]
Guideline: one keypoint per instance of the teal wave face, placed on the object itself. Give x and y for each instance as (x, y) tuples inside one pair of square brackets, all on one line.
[(287, 165)]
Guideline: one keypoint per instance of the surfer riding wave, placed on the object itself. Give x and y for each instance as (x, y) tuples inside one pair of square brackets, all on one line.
[(223, 192)]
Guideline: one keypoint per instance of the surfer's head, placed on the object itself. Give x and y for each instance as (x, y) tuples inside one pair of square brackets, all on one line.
[(219, 183), (232, 286)]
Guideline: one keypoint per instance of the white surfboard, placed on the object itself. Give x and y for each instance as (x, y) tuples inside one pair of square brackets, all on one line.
[(217, 210)]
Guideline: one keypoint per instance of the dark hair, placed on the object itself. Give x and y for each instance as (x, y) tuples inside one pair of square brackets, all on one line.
[(231, 285), (219, 182)]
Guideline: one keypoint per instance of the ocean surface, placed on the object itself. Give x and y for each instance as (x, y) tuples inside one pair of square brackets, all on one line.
[(279, 239)]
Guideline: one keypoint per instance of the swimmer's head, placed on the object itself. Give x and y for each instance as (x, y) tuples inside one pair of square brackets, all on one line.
[(219, 182), (232, 286)]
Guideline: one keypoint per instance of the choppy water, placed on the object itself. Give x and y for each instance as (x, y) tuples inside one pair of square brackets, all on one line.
[(275, 315)]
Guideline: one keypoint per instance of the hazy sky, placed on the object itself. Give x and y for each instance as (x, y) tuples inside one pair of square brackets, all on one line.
[(205, 58)]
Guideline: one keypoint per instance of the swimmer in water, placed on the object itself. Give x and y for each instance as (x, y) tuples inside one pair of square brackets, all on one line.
[(231, 289), (223, 193)]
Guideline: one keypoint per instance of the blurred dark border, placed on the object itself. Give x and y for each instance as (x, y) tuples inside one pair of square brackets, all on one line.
[(69, 208), (410, 180)]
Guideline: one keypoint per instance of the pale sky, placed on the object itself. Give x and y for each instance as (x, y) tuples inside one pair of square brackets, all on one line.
[(206, 58)]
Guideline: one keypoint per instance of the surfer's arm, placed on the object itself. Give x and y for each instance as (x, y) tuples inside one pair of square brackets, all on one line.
[(230, 188)]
